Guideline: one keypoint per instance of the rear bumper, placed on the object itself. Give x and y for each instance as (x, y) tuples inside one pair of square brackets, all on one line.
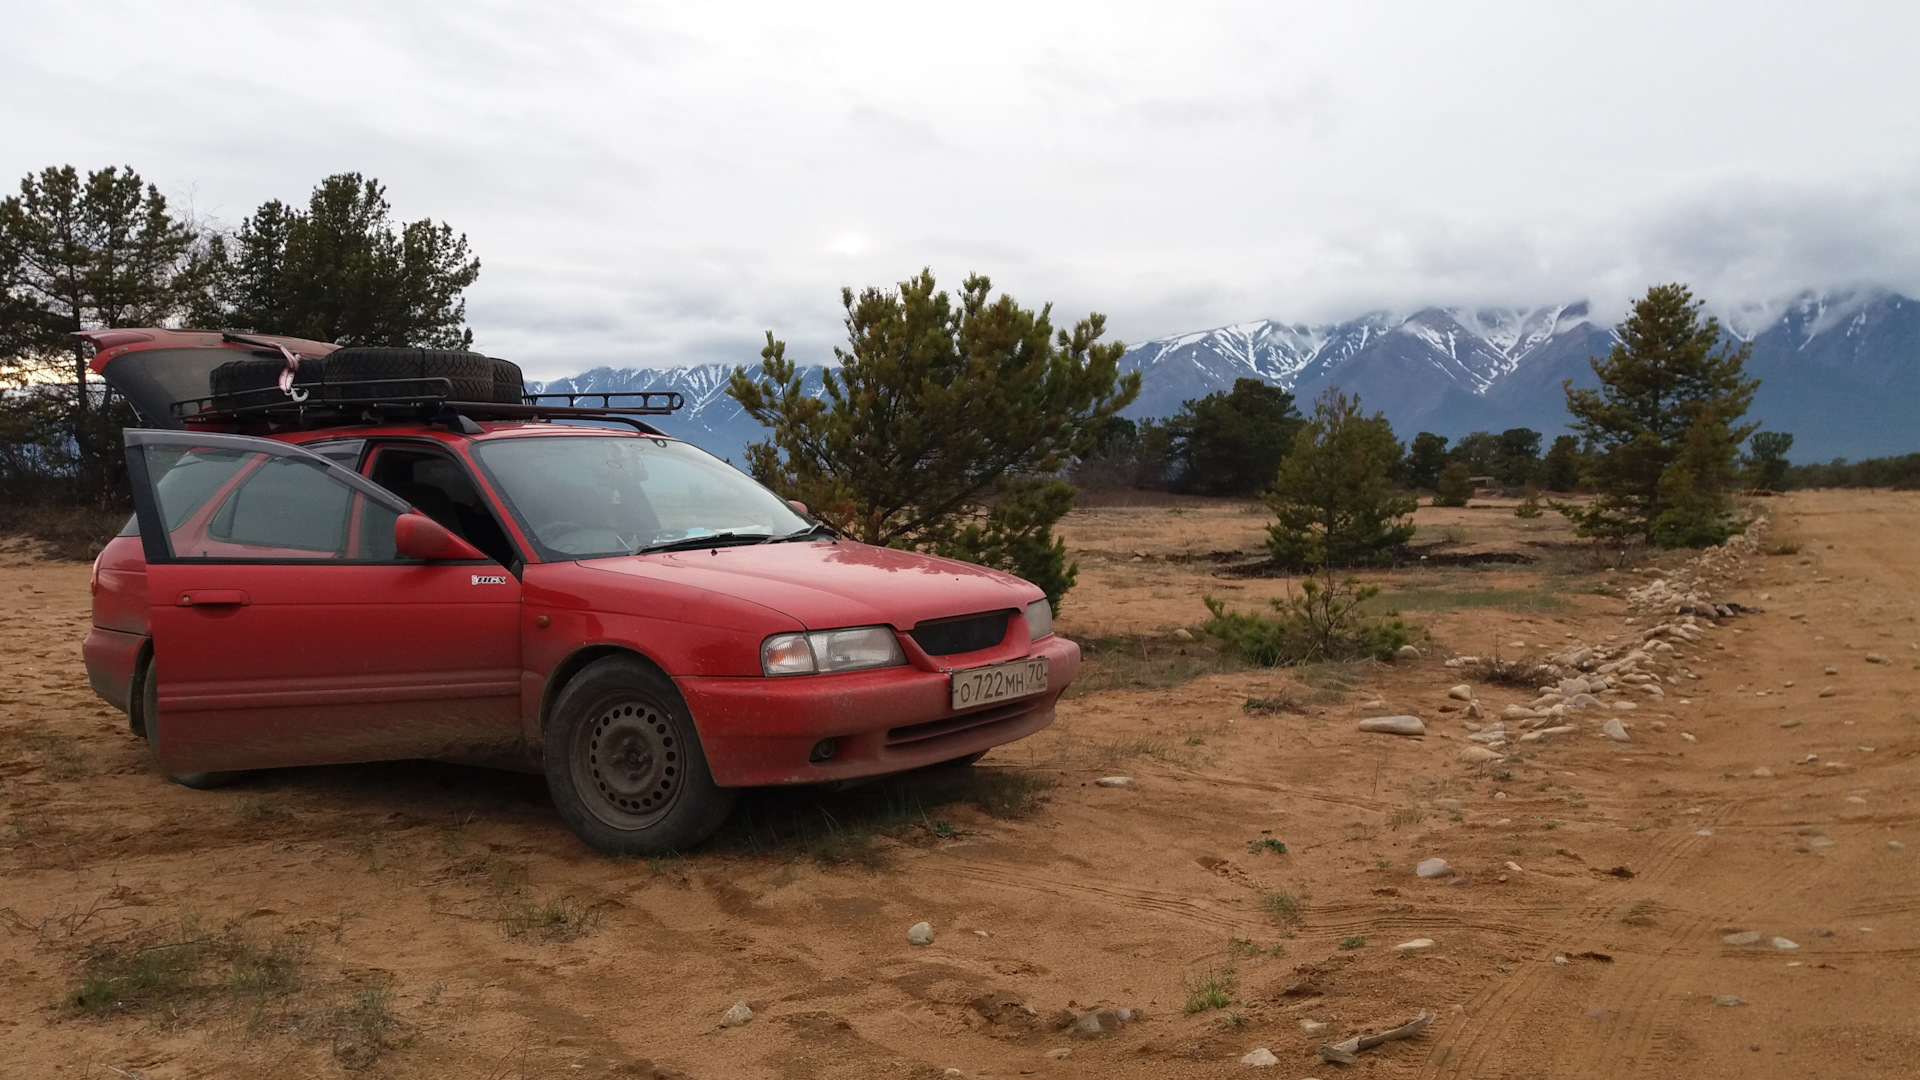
[(758, 731), (110, 657)]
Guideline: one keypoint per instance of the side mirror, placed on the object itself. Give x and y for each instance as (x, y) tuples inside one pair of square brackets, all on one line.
[(417, 536), (800, 506)]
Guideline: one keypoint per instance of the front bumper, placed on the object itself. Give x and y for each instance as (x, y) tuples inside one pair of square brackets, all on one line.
[(758, 731)]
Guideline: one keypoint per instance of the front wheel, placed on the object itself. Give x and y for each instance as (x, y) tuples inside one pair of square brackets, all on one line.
[(624, 763), (150, 720)]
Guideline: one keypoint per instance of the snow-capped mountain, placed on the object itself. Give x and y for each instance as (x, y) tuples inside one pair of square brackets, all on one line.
[(1839, 370)]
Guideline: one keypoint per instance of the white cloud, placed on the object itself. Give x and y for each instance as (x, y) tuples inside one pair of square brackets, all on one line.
[(662, 183)]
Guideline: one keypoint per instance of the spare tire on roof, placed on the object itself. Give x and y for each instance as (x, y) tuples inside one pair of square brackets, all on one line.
[(470, 376), (235, 383), (509, 386)]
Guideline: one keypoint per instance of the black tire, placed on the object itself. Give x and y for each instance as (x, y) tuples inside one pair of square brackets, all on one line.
[(509, 386), (232, 383), (150, 716), (622, 711), (469, 374)]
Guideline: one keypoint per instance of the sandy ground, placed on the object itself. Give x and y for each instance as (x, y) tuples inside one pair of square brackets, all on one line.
[(408, 885)]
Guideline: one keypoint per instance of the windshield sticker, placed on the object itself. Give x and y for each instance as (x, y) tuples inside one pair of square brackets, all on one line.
[(488, 579)]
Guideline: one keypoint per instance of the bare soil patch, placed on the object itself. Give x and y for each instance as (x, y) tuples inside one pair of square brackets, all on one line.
[(423, 920)]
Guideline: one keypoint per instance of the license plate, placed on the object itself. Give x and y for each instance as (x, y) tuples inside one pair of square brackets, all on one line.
[(999, 682)]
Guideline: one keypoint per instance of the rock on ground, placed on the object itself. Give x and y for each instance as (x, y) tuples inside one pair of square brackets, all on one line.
[(1433, 868), (1394, 725), (920, 933), (1260, 1058), (737, 1015)]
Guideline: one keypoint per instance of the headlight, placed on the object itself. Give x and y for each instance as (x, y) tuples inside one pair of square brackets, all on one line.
[(1039, 620), (831, 650)]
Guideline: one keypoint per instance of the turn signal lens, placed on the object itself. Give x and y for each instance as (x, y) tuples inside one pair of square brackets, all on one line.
[(831, 650), (1039, 620), (786, 654)]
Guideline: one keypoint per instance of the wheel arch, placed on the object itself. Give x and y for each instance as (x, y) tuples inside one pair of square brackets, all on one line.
[(137, 689), (579, 660)]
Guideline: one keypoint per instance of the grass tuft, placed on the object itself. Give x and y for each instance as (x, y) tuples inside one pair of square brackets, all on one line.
[(1210, 990), (1288, 907)]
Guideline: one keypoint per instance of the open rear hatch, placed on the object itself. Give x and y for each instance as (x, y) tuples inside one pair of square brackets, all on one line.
[(154, 368)]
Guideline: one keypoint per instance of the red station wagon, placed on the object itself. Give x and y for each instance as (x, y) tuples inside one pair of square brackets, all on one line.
[(345, 555)]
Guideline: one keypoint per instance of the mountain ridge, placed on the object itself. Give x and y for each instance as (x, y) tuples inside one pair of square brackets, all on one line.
[(1840, 370)]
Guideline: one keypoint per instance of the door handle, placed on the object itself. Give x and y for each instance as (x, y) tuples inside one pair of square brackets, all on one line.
[(212, 598)]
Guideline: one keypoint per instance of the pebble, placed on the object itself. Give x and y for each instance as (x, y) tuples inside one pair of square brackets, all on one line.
[(737, 1015), (1415, 945), (1877, 658), (1584, 701), (1406, 652), (1763, 772), (1114, 781), (1183, 634), (1479, 755), (1830, 670), (1744, 937), (1060, 1054), (1433, 868), (1728, 999), (920, 933), (1896, 845), (1783, 944), (1828, 691), (1789, 723), (1515, 867), (1615, 730), (1560, 960), (1450, 805), (1394, 725), (1314, 1028), (1463, 692), (1856, 800), (1516, 712), (1658, 725), (1260, 1058), (1688, 735)]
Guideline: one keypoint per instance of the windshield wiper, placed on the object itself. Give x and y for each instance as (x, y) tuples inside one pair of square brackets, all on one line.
[(808, 533), (719, 539)]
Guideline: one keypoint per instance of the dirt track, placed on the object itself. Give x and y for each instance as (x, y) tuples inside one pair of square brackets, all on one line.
[(509, 951)]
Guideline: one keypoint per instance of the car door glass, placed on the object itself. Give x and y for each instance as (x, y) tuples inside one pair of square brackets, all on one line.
[(225, 504)]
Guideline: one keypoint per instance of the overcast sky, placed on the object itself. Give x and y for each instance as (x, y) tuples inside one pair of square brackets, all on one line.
[(660, 184)]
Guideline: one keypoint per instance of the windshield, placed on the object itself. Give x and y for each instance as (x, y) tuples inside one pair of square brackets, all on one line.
[(586, 496)]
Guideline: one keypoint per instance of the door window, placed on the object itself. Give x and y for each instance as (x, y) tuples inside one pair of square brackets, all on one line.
[(231, 497)]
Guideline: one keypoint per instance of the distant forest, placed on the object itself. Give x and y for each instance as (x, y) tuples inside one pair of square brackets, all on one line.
[(1901, 473)]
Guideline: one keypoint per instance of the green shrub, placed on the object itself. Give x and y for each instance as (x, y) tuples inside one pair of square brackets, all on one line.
[(1323, 621), (1455, 486)]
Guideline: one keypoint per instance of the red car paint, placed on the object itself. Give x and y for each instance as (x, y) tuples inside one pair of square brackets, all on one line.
[(295, 659)]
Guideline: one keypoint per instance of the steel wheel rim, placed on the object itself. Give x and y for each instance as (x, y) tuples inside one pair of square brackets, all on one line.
[(628, 764)]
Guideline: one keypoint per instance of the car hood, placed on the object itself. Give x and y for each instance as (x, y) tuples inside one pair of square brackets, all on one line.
[(828, 584)]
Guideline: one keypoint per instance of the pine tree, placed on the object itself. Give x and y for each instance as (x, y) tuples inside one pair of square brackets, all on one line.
[(1455, 486), (1766, 459), (342, 271), (1670, 389), (1425, 458), (945, 425), (79, 254), (1231, 443), (1333, 499), (1560, 469)]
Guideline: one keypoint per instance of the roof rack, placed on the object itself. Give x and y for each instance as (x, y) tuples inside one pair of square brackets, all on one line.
[(427, 400)]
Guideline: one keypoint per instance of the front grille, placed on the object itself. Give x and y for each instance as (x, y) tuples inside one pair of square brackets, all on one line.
[(967, 634)]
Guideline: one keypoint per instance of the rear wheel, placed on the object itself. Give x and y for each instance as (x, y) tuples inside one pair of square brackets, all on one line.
[(150, 717), (625, 766)]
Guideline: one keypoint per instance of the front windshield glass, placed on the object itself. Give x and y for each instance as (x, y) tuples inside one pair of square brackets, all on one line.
[(587, 496)]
